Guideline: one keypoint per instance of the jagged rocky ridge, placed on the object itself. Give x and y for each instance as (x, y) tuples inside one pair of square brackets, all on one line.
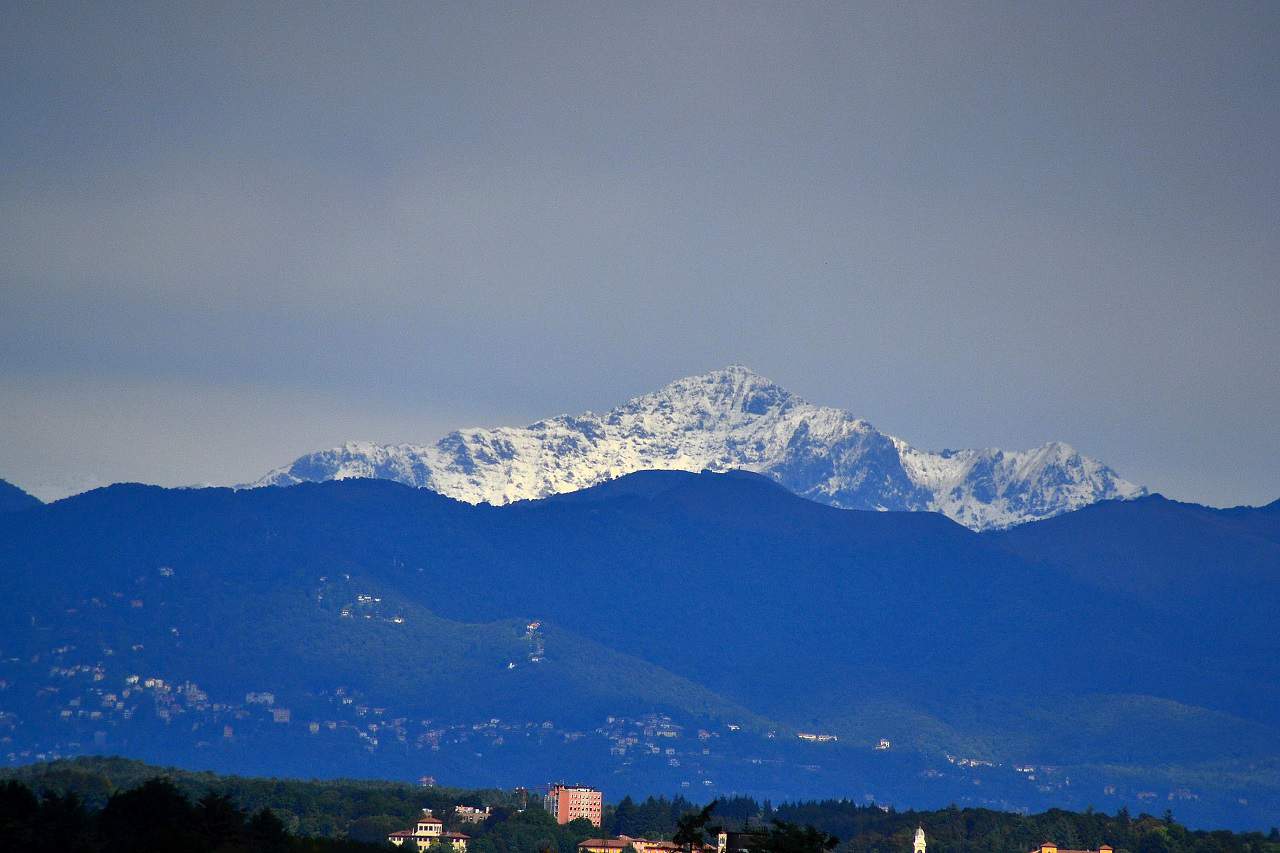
[(727, 419)]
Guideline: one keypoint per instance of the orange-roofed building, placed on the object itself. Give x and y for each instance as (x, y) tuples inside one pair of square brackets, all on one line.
[(605, 845), (640, 845), (1051, 847)]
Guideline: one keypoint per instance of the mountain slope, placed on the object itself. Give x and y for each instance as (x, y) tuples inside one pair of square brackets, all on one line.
[(13, 498), (143, 619), (731, 419), (663, 567), (247, 596), (1212, 566)]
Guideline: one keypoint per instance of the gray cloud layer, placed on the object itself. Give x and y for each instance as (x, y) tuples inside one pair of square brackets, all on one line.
[(231, 234)]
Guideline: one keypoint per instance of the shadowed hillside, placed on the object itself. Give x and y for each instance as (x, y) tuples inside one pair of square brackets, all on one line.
[(13, 498), (387, 622)]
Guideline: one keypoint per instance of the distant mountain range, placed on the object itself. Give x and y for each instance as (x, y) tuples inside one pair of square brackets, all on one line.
[(725, 420), (660, 630)]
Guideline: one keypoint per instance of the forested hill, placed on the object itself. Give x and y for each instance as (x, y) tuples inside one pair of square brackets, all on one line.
[(665, 631), (363, 810)]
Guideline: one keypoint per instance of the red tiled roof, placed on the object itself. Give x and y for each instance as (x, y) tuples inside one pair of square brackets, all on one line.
[(621, 843), (403, 833)]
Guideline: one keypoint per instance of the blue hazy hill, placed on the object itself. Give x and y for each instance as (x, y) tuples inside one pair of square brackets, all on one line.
[(1206, 566), (710, 597)]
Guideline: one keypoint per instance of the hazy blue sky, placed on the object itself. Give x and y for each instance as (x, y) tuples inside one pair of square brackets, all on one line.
[(230, 234)]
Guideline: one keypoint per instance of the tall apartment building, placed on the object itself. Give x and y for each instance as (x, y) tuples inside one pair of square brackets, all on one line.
[(570, 802)]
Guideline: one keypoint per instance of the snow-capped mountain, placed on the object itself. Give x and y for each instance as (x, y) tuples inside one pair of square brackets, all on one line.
[(726, 419)]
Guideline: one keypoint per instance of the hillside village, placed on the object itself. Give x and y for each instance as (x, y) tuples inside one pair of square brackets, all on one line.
[(70, 698), (567, 804), (98, 705)]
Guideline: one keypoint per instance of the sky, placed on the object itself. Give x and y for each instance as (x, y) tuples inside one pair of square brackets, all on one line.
[(234, 233)]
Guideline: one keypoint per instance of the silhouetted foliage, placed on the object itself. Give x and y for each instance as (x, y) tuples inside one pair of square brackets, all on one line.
[(873, 829), (203, 813), (655, 817), (784, 837), (691, 828), (154, 817)]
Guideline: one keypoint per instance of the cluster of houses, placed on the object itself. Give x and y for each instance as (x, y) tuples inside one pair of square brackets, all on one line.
[(573, 802), (429, 830), (726, 842), (748, 842), (620, 843), (563, 802)]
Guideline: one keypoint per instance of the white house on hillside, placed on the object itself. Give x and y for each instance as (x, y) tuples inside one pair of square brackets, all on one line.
[(427, 831)]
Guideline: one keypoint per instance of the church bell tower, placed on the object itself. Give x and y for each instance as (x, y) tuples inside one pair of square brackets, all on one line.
[(920, 842)]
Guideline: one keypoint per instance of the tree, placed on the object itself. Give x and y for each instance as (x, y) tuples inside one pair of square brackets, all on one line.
[(64, 823), (624, 817), (267, 832), (218, 819), (784, 837), (374, 829), (691, 827), (155, 816)]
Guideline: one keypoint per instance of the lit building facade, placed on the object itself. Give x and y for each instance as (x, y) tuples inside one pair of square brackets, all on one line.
[(426, 831), (570, 802)]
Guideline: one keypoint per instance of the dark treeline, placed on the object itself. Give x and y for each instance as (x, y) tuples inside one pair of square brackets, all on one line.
[(871, 829), (110, 804), (154, 817), (653, 817), (327, 808), (157, 817)]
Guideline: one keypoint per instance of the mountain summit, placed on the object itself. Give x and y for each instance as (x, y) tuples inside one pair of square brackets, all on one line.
[(732, 419)]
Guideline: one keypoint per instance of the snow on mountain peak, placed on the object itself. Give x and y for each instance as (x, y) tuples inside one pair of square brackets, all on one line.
[(725, 419), (731, 393)]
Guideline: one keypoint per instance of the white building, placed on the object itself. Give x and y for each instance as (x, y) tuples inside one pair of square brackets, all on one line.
[(427, 831)]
